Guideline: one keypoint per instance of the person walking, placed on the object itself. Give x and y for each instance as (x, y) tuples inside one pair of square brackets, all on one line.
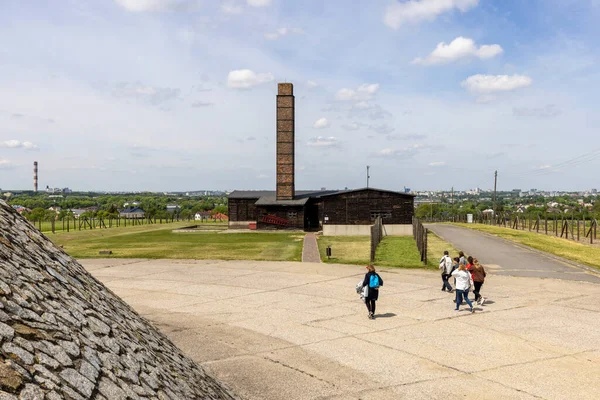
[(446, 270), (470, 266), (478, 279), (463, 284), (462, 259), (373, 282)]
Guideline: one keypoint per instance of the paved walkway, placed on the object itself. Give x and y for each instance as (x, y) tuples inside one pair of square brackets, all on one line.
[(310, 251), (298, 330), (506, 258)]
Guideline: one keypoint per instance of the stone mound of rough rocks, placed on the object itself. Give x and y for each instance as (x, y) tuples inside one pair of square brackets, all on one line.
[(63, 335)]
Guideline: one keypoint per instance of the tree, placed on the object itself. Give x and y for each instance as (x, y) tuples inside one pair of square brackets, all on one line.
[(219, 209)]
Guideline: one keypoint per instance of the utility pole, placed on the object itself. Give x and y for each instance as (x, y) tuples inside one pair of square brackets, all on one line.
[(495, 183), (368, 176), (452, 202)]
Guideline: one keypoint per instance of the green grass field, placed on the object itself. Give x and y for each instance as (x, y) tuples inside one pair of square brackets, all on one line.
[(158, 241), (581, 253), (74, 225), (393, 251)]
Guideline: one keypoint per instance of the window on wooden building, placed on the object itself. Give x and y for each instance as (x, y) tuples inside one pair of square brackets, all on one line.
[(292, 214), (382, 214)]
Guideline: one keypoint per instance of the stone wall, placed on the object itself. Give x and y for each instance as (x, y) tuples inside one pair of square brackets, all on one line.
[(63, 335)]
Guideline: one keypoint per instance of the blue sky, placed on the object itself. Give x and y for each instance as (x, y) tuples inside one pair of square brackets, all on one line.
[(180, 94)]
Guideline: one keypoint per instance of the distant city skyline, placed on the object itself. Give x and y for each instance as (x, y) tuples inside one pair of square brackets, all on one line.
[(169, 95)]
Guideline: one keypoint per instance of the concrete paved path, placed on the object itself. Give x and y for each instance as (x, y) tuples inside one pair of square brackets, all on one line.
[(506, 258), (298, 330), (310, 251)]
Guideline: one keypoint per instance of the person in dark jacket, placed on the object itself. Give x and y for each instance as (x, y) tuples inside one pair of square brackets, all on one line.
[(478, 279), (373, 281)]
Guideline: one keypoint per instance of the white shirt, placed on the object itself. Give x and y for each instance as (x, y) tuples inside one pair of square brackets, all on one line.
[(447, 263), (463, 279)]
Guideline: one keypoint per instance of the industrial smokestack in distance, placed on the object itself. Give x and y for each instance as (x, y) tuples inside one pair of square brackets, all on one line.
[(35, 176), (285, 142)]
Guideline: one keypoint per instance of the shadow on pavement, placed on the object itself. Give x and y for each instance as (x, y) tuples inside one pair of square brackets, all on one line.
[(386, 315)]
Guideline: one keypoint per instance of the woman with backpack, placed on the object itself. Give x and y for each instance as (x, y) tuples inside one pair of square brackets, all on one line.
[(373, 281), (478, 279), (463, 284)]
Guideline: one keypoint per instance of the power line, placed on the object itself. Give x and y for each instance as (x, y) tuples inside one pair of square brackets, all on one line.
[(572, 162)]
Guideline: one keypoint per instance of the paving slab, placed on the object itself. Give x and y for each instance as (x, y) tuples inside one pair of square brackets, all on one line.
[(304, 334), (567, 377), (310, 250)]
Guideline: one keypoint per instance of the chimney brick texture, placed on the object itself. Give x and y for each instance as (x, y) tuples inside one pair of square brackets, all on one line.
[(285, 141)]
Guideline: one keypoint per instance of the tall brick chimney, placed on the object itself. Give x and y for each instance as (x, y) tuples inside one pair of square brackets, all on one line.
[(285, 141)]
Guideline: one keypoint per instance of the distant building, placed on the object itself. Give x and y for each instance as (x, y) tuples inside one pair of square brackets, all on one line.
[(173, 208), (131, 204), (220, 217), (202, 216), (21, 209), (133, 213), (78, 211)]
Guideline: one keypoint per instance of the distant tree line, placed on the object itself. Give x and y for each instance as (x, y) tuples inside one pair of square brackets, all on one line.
[(536, 208), (109, 206)]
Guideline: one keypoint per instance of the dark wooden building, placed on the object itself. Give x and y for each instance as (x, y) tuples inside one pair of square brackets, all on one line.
[(311, 210), (286, 208)]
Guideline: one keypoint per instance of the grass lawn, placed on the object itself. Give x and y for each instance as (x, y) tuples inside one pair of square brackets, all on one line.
[(578, 252), (158, 241), (345, 249), (393, 251)]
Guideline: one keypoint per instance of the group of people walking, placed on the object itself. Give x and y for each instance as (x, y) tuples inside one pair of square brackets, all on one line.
[(467, 273)]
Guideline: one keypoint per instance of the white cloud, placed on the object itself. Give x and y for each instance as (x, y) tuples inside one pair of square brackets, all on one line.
[(544, 167), (321, 141), (384, 129), (365, 91), (5, 164), (312, 84), (199, 104), (245, 79), (259, 3), (406, 152), (158, 5), (279, 33), (321, 123), (365, 109), (353, 126), (416, 136), (262, 176), (548, 111), (369, 88), (150, 94), (460, 47), (362, 105), (437, 164), (415, 11), (495, 83), (16, 144), (230, 7)]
